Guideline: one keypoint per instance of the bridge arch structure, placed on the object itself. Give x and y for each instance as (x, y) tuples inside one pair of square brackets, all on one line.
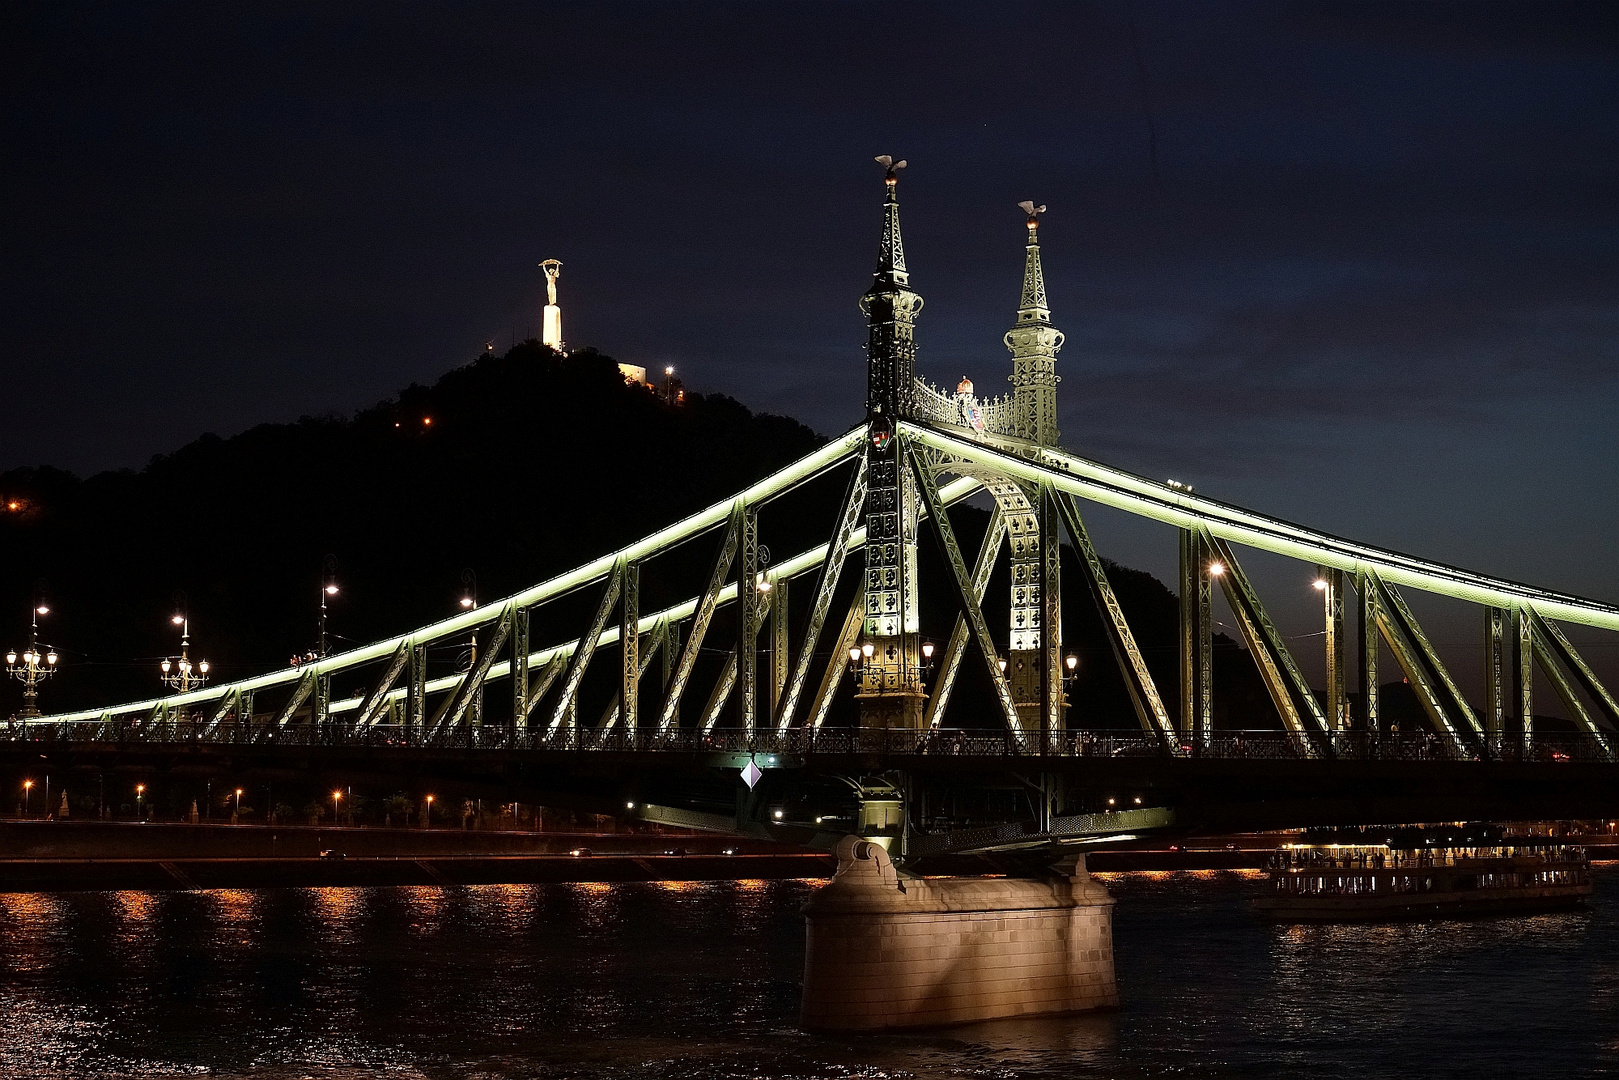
[(514, 716)]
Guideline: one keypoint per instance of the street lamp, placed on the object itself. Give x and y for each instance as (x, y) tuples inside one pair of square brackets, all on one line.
[(328, 588), (140, 790), (336, 797), (27, 789), (178, 671), (238, 802), (32, 667)]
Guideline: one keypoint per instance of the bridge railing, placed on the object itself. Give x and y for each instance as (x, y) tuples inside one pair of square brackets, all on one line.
[(1266, 745)]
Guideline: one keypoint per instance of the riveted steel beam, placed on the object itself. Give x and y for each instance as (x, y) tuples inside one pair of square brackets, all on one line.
[(586, 648), (1332, 598), (1430, 656), (1196, 637), (1370, 695), (854, 503), (780, 660), (669, 717), (748, 606), (964, 591), (835, 667), (1552, 647), (629, 643), (1495, 672), (1294, 701), (519, 673), (721, 692), (226, 703), (1410, 658), (645, 657), (950, 663), (1051, 677), (1523, 674), (1138, 680), (548, 674), (378, 697), (468, 692), (300, 694)]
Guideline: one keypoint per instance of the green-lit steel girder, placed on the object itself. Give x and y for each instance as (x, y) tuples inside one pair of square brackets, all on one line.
[(1138, 681), (950, 662), (964, 591)]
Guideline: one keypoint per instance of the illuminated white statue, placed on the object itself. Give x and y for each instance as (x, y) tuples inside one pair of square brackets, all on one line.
[(551, 332)]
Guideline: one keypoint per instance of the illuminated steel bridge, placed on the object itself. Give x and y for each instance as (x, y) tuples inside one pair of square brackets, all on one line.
[(665, 748)]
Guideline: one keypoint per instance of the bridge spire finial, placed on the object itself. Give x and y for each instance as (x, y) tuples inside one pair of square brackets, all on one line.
[(1034, 344), (1033, 306), (891, 254), (890, 308)]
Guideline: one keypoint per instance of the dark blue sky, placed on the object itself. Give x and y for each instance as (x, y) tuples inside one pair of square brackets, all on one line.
[(1369, 282)]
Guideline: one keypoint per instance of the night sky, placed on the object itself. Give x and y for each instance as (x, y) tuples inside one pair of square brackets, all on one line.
[(1354, 265)]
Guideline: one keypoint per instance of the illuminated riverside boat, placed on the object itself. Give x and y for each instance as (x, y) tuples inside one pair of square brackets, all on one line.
[(1361, 882)]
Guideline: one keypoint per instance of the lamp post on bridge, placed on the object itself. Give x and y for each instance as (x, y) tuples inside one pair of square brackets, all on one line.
[(32, 666), (178, 671), (328, 588)]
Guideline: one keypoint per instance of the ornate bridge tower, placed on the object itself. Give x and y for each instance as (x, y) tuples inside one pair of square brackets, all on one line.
[(890, 690), (1034, 344), (1032, 520)]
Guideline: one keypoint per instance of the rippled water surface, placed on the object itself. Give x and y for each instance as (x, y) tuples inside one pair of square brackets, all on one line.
[(686, 980)]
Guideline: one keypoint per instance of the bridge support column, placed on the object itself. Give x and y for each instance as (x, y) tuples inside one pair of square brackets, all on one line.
[(1495, 676), (886, 952), (1337, 702), (1523, 676), (1368, 656), (1196, 638)]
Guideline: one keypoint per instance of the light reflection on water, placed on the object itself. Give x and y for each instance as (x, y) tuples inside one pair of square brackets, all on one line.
[(697, 979)]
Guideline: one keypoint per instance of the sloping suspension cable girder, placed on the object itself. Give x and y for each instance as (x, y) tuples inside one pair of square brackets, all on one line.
[(1576, 663), (854, 503), (964, 590), (1147, 498), (1430, 656), (853, 621), (475, 678), (1289, 692), (704, 615), (1551, 647), (950, 663), (1149, 706), (1407, 654), (586, 649), (378, 699)]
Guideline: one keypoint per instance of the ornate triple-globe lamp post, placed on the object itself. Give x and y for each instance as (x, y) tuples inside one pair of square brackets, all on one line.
[(33, 666), (178, 671)]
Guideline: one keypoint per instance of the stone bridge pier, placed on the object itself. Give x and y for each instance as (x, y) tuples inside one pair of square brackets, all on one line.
[(889, 951)]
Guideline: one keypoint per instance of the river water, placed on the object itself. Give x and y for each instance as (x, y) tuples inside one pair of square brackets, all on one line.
[(680, 980)]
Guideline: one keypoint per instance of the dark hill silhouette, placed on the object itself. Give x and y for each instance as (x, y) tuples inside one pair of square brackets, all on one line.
[(519, 466)]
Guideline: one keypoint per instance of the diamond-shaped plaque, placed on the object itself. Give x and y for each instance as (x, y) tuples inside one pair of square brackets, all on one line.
[(751, 774)]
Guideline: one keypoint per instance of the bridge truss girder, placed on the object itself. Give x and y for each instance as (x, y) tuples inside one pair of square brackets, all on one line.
[(1053, 485)]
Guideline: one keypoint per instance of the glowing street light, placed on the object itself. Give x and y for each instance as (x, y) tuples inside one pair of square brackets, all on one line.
[(1216, 569), (179, 672), (328, 588), (140, 792), (337, 797), (27, 789), (32, 667)]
